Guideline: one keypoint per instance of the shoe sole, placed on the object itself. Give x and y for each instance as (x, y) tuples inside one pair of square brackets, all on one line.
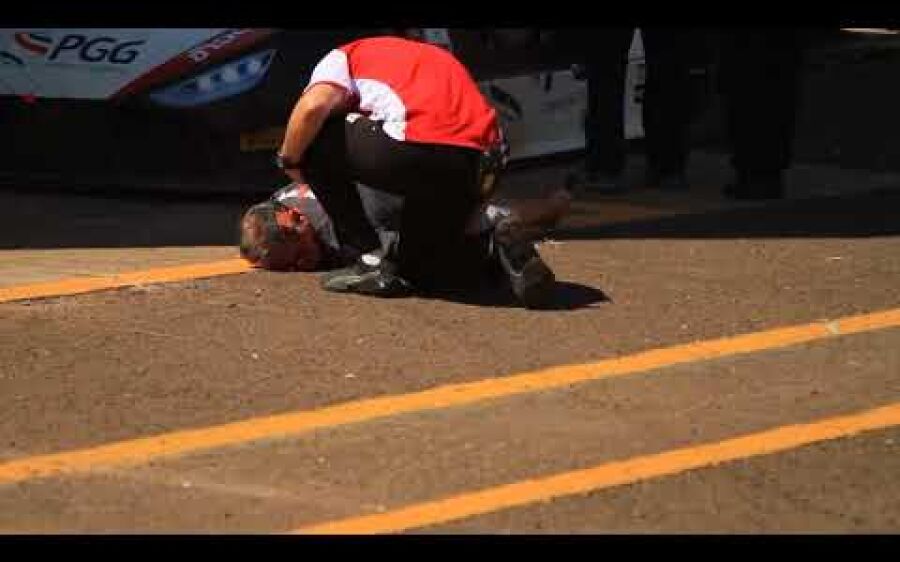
[(534, 286), (357, 284), (340, 284)]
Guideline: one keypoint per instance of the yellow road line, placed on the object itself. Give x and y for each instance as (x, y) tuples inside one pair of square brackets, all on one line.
[(611, 474), (157, 275), (145, 449)]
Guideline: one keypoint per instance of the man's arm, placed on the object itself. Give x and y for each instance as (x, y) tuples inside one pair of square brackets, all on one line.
[(310, 111)]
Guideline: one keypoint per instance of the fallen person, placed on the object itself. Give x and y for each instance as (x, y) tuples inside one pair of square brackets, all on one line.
[(292, 232)]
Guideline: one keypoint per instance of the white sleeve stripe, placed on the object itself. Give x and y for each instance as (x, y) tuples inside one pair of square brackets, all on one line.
[(334, 68)]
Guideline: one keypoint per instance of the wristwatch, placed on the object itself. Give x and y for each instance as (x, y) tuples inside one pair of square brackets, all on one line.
[(286, 164)]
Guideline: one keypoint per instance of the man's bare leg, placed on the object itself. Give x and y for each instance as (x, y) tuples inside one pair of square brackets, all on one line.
[(515, 229), (532, 217)]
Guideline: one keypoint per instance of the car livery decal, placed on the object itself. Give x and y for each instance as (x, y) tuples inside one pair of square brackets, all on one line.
[(216, 48), (33, 43)]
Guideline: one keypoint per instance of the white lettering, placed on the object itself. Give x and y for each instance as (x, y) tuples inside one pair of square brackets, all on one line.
[(201, 53)]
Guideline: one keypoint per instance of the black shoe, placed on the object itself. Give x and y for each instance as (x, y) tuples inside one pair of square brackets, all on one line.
[(756, 189), (531, 281), (374, 279)]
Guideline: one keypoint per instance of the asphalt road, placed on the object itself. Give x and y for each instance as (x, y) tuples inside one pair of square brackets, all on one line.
[(112, 367)]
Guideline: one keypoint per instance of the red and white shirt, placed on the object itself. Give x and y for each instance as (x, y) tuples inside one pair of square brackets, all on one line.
[(421, 92)]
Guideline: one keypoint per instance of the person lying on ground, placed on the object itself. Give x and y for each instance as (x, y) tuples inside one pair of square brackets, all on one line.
[(292, 232)]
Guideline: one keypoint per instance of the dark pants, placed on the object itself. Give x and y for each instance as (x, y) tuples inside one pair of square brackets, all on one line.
[(758, 72), (439, 185), (666, 104), (464, 266)]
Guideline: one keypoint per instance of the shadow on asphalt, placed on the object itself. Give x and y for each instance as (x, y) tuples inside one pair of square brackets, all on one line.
[(568, 296), (55, 221), (851, 216), (44, 221)]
